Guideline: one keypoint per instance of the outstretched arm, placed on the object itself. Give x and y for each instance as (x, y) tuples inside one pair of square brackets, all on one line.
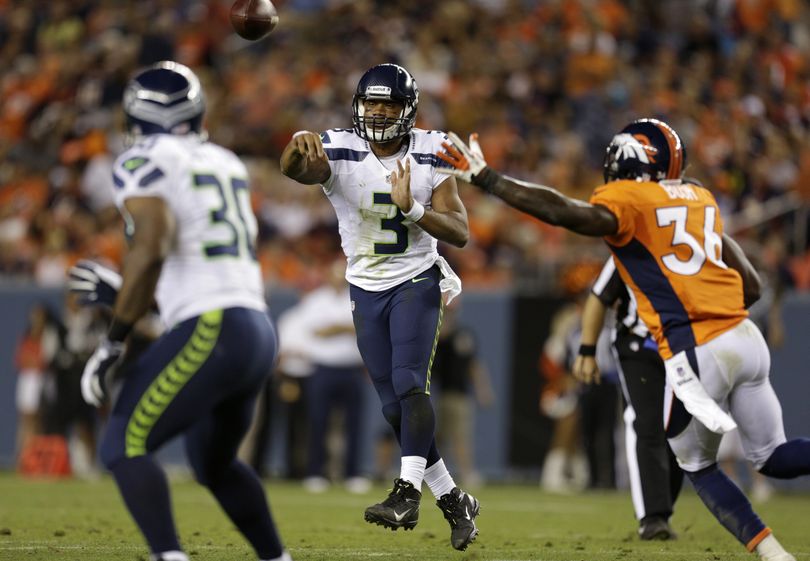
[(544, 203)]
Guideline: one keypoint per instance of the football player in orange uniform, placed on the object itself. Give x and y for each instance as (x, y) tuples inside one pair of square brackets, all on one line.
[(692, 284)]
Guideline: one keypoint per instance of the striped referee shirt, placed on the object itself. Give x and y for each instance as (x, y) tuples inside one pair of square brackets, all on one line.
[(610, 288)]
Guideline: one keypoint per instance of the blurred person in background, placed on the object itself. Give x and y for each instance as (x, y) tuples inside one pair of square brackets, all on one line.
[(393, 207), (463, 382), (655, 477), (582, 451), (326, 341), (693, 285), (192, 235), (565, 467), (36, 350), (67, 413)]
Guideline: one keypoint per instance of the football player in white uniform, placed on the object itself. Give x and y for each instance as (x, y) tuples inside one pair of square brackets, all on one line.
[(185, 203), (392, 207)]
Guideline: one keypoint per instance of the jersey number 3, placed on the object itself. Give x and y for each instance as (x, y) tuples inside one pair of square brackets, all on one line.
[(394, 224), (712, 248), (231, 214)]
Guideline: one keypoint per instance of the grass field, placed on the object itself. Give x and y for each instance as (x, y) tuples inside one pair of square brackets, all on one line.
[(75, 520)]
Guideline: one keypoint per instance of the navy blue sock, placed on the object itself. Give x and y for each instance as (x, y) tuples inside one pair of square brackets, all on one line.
[(418, 424), (728, 504), (789, 460), (146, 493), (239, 492)]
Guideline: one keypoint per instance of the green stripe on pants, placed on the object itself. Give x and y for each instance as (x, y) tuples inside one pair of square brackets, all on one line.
[(171, 380)]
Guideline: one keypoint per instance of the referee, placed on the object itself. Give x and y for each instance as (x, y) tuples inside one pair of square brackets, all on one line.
[(655, 478)]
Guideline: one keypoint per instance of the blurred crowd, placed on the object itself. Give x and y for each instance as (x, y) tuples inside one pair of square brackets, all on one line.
[(545, 83)]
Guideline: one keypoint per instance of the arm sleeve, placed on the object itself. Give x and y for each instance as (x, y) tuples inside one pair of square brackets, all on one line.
[(141, 174), (618, 201)]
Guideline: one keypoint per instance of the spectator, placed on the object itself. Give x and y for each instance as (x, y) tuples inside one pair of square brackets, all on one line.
[(35, 351)]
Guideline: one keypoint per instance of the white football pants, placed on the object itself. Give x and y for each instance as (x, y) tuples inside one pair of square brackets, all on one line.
[(734, 369)]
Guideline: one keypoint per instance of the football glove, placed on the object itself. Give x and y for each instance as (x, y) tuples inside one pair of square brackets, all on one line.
[(466, 161), (96, 285), (99, 369)]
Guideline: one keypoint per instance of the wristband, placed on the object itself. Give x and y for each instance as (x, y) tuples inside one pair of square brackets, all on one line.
[(416, 213), (299, 133), (587, 350), (486, 179), (118, 330)]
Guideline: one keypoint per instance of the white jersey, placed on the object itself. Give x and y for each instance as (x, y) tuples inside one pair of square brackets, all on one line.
[(212, 262), (382, 247)]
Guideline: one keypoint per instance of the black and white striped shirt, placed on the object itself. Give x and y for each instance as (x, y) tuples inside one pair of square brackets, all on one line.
[(610, 288)]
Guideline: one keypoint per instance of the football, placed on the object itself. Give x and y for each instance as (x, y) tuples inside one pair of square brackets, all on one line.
[(253, 19)]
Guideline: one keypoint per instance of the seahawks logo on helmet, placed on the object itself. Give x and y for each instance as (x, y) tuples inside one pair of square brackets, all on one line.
[(385, 82), (165, 98), (645, 150)]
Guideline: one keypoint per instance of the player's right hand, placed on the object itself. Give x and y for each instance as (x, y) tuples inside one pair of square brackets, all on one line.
[(466, 161), (95, 284), (586, 370), (100, 365), (309, 144)]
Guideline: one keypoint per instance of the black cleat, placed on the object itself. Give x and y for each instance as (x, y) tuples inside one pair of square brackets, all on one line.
[(399, 510), (655, 528), (460, 510)]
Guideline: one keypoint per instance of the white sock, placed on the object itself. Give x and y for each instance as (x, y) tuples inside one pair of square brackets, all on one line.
[(170, 556), (413, 470), (770, 548), (284, 557), (439, 479)]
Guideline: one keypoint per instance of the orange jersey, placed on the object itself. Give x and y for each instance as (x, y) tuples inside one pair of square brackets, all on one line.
[(668, 250)]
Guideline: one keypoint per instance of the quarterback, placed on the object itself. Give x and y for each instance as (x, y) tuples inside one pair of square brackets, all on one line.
[(392, 204)]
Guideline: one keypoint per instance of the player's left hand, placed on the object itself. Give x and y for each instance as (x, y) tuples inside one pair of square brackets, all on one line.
[(401, 186), (100, 365), (466, 161)]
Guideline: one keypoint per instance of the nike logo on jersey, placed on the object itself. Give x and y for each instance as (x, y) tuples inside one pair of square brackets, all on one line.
[(420, 279), (399, 516)]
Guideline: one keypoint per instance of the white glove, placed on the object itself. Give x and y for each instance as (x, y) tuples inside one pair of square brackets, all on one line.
[(100, 365), (467, 161), (95, 284)]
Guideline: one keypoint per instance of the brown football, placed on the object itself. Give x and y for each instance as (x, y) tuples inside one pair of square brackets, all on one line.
[(253, 19)]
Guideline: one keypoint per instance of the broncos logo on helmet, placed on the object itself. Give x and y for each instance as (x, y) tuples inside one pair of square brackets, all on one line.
[(385, 82), (645, 150), (165, 98)]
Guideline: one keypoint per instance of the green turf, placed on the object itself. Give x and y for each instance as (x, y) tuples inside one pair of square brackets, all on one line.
[(74, 520)]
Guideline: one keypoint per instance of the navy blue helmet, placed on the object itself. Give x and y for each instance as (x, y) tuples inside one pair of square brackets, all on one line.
[(164, 98), (385, 82), (645, 150)]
